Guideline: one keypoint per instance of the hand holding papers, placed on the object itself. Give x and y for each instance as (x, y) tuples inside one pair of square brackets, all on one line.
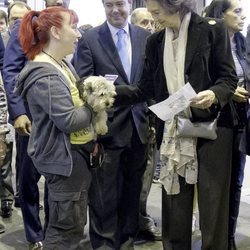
[(176, 103), (204, 99)]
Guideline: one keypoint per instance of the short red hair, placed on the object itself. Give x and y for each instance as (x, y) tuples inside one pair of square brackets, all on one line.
[(35, 27)]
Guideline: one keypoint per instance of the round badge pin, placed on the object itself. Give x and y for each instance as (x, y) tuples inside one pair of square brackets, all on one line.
[(212, 22)]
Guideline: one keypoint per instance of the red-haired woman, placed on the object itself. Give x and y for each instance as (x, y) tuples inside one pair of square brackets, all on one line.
[(61, 122)]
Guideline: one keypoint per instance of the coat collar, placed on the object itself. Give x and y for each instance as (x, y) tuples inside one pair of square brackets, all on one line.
[(194, 35)]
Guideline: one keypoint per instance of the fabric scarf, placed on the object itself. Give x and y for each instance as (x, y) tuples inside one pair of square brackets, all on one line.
[(178, 155)]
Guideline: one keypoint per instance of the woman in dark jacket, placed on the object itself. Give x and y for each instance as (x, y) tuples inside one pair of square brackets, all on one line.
[(232, 13), (195, 50)]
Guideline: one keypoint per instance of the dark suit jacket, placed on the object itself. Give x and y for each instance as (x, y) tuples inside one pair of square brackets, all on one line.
[(208, 65), (1, 52), (14, 61), (97, 55)]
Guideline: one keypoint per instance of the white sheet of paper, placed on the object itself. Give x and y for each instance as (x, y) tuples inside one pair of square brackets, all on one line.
[(176, 103), (111, 78)]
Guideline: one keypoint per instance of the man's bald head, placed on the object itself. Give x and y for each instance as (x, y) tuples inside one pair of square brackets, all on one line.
[(142, 18), (51, 3)]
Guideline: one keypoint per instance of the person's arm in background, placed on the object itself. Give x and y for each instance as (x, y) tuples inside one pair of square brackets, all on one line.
[(248, 56), (3, 109), (3, 122), (1, 52), (241, 94), (245, 138), (14, 61)]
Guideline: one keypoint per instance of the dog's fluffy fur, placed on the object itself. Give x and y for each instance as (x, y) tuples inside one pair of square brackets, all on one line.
[(98, 93)]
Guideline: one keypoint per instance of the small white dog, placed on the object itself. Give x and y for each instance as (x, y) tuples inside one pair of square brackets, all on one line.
[(98, 93)]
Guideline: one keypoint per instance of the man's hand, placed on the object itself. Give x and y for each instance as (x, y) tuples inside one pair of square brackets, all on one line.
[(240, 95), (22, 125), (204, 100)]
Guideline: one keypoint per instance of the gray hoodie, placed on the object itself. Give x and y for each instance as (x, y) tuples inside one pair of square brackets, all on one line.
[(54, 116)]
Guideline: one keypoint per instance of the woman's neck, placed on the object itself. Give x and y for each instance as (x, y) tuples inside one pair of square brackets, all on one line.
[(55, 58), (176, 33), (176, 24), (231, 33)]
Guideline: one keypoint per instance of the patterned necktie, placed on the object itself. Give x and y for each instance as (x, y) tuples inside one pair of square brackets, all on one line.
[(123, 52)]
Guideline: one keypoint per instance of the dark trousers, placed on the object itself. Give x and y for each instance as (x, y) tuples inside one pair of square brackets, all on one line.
[(68, 205), (114, 196), (6, 188), (214, 159), (237, 176), (29, 192)]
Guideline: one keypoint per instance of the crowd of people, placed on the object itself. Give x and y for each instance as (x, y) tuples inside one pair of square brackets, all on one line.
[(149, 56)]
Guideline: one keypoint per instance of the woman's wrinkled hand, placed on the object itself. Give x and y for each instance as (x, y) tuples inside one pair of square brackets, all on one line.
[(204, 100), (240, 95)]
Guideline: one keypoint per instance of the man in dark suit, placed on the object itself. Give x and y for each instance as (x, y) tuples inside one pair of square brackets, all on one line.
[(148, 231), (115, 191)]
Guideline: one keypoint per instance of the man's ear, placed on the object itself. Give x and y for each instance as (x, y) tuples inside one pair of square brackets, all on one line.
[(55, 32)]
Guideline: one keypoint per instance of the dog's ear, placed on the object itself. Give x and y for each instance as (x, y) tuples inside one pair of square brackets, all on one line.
[(79, 85)]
